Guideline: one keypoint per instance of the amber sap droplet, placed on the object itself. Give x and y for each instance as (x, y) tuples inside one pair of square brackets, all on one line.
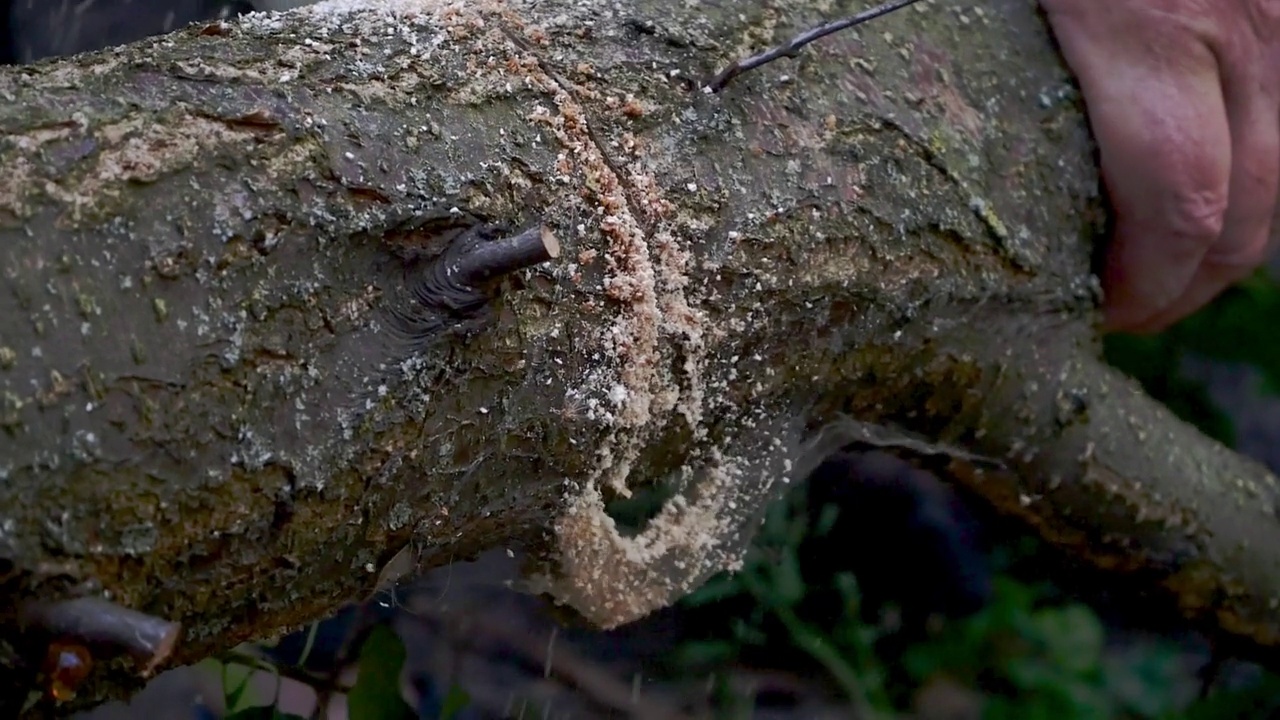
[(66, 665)]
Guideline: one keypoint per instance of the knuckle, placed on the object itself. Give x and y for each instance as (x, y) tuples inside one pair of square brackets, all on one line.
[(1238, 259), (1265, 15), (1198, 214)]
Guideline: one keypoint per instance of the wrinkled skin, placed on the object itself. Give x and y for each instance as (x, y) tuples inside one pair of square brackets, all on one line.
[(1184, 99)]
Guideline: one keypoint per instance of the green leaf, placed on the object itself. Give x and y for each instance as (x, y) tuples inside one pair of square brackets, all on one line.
[(1075, 637), (376, 694), (748, 633), (704, 653), (788, 585), (456, 701), (826, 519), (234, 692), (721, 587), (259, 712)]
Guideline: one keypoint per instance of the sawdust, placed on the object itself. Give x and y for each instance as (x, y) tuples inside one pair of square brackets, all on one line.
[(630, 391), (617, 579)]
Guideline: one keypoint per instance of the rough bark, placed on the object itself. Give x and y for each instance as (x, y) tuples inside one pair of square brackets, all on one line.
[(225, 404)]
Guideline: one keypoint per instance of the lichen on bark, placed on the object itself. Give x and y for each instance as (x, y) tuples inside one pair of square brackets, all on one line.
[(206, 238)]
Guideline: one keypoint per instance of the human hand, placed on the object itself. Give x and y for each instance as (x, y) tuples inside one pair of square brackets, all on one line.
[(1184, 100)]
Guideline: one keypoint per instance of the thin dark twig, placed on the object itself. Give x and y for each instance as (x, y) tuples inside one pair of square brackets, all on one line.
[(792, 48)]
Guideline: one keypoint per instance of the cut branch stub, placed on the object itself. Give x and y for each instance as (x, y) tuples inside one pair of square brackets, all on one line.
[(483, 261), (456, 281), (97, 622), (453, 290)]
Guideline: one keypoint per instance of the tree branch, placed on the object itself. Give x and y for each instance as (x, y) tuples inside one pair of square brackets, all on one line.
[(230, 394)]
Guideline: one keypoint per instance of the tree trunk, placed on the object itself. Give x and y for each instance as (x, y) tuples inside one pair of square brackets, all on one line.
[(241, 371)]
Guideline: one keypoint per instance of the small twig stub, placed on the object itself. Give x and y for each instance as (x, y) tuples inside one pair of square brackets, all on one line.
[(453, 291), (486, 260), (99, 622)]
